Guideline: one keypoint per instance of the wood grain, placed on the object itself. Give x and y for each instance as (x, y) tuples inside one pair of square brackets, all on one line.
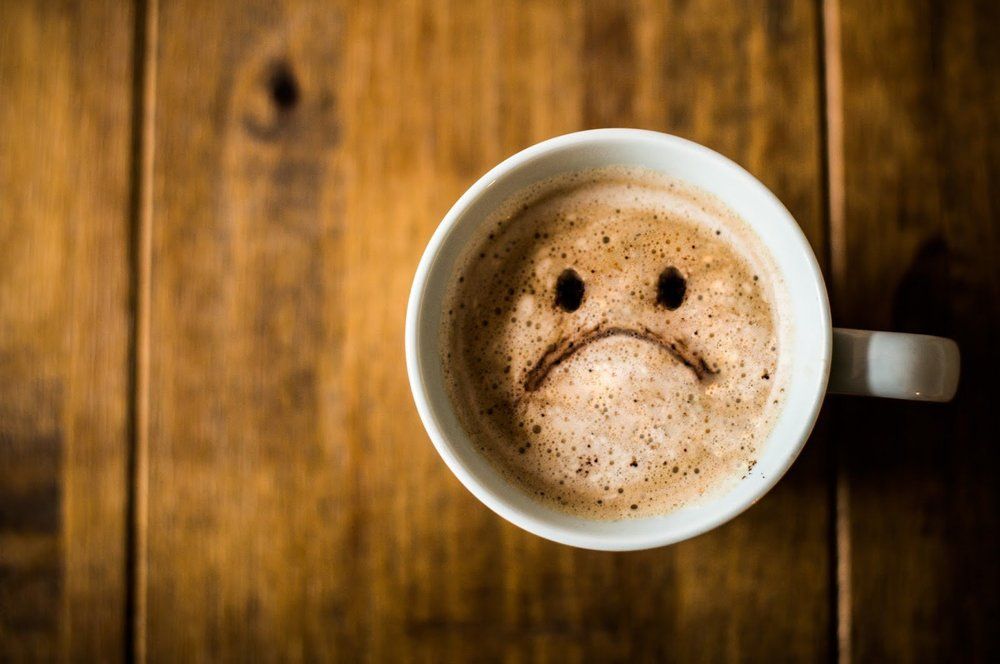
[(303, 155), (65, 117), (921, 106)]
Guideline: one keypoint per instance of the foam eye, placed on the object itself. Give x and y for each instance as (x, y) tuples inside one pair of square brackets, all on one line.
[(569, 290), (671, 288)]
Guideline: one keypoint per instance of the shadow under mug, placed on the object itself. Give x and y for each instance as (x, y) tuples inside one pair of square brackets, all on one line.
[(822, 359)]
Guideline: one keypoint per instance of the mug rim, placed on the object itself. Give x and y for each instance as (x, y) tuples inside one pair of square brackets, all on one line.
[(418, 387)]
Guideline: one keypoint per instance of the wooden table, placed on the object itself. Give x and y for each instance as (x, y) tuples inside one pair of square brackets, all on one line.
[(210, 213)]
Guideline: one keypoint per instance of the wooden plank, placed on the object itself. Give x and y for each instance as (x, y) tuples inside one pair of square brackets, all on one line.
[(304, 154), (921, 103), (65, 119)]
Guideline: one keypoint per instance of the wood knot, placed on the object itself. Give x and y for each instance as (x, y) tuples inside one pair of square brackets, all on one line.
[(283, 87)]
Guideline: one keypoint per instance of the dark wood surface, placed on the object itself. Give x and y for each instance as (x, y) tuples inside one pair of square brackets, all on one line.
[(920, 240), (210, 214), (66, 84)]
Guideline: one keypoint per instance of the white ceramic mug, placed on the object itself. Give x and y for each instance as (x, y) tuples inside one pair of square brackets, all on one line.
[(905, 366)]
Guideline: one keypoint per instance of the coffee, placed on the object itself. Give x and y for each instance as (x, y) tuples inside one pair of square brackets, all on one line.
[(612, 343)]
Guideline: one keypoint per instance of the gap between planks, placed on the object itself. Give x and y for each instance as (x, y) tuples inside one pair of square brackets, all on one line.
[(141, 212), (833, 139)]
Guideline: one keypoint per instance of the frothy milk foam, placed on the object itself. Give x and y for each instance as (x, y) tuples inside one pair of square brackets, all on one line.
[(612, 343)]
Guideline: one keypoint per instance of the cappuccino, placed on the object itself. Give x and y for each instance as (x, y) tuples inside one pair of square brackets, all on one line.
[(612, 343)]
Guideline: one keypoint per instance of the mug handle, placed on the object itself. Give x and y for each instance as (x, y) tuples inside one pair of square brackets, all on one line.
[(894, 365)]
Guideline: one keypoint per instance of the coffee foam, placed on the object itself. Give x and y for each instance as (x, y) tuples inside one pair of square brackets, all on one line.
[(624, 406)]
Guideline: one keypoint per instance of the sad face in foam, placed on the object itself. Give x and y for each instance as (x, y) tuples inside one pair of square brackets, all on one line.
[(610, 347), (671, 287)]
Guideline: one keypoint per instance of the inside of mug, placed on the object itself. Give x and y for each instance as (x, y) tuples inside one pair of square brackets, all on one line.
[(808, 332)]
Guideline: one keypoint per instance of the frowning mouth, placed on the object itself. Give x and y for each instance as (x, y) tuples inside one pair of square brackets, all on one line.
[(558, 353)]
